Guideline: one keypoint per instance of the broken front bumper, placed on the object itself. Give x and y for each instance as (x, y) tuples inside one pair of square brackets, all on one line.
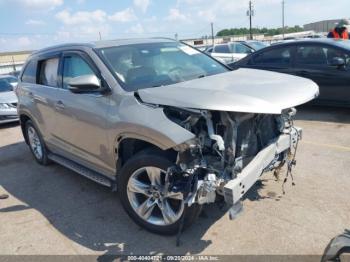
[(235, 189)]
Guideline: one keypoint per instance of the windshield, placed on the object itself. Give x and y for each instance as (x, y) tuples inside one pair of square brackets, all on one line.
[(5, 86), (140, 66), (257, 45)]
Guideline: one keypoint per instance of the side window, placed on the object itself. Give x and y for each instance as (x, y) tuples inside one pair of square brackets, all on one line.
[(48, 72), (29, 73), (222, 49), (278, 56), (311, 55), (74, 66), (333, 53), (209, 50)]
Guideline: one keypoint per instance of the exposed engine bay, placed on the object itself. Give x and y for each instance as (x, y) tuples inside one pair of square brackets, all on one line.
[(230, 152)]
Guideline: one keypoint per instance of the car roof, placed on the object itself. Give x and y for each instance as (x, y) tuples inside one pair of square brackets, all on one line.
[(106, 43), (331, 41)]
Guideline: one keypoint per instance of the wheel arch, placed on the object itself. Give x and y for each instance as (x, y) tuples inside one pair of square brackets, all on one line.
[(128, 146), (23, 118)]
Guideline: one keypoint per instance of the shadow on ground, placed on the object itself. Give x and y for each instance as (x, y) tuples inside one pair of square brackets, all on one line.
[(87, 213), (324, 114)]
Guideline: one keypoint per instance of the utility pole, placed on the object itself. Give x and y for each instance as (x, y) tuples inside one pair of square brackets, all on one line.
[(176, 36), (212, 32), (250, 13), (283, 4), (99, 33)]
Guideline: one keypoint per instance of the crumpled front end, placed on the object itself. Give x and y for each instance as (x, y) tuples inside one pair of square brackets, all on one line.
[(229, 153)]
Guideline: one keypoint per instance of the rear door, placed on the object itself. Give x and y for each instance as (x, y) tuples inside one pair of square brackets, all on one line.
[(81, 130), (315, 62), (278, 59), (39, 86)]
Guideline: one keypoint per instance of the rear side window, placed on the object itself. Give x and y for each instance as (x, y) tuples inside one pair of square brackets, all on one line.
[(222, 49), (48, 72), (29, 73), (279, 56)]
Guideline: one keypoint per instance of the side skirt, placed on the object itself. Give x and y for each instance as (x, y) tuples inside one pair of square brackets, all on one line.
[(84, 171)]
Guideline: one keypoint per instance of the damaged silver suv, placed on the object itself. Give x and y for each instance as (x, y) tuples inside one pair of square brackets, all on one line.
[(165, 125)]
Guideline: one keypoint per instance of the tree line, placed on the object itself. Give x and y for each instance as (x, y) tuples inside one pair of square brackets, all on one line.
[(264, 30)]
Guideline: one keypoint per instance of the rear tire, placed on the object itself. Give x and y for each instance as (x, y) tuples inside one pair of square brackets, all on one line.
[(36, 144), (136, 175)]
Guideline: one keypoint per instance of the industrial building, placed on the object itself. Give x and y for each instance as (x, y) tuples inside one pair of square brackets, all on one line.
[(322, 26), (12, 61)]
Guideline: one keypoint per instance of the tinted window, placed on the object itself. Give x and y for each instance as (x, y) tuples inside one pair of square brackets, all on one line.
[(29, 74), (158, 64), (279, 56), (222, 49), (311, 55), (5, 86), (318, 55), (48, 72), (74, 66)]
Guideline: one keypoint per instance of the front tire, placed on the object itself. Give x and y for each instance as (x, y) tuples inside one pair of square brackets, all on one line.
[(36, 143), (144, 197)]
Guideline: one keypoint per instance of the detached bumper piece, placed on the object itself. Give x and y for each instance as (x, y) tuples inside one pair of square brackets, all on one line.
[(266, 159)]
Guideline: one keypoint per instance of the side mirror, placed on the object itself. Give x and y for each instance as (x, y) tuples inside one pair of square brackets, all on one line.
[(338, 62), (85, 83)]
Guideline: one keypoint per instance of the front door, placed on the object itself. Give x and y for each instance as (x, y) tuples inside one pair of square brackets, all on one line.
[(315, 63), (81, 117)]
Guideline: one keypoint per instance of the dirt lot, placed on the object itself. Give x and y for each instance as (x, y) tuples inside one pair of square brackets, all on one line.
[(51, 210)]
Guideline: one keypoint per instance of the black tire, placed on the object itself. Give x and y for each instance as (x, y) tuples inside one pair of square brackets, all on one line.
[(43, 160), (155, 159)]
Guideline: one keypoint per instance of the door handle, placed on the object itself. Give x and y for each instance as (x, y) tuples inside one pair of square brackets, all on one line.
[(59, 105)]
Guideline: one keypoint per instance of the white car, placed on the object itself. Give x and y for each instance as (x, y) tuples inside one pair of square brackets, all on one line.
[(229, 52), (8, 100)]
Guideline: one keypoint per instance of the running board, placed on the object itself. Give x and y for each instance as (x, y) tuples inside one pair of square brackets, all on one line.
[(81, 170)]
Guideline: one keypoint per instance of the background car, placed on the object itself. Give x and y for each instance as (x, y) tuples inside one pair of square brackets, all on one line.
[(325, 61), (8, 102), (12, 80), (229, 52), (254, 44)]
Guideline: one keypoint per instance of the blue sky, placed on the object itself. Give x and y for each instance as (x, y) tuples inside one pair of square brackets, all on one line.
[(32, 24)]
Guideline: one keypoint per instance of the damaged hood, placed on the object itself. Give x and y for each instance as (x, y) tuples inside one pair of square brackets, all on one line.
[(242, 90)]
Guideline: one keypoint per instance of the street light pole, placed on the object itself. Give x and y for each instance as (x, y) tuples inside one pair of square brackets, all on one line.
[(283, 4), (250, 13), (212, 33)]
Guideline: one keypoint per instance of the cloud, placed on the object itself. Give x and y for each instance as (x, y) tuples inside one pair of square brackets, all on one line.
[(81, 17), (137, 29), (35, 22), (176, 15), (40, 4), (126, 15), (142, 5)]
